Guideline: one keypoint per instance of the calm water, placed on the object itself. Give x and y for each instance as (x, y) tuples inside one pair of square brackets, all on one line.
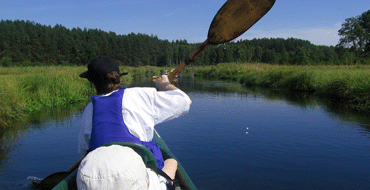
[(233, 138)]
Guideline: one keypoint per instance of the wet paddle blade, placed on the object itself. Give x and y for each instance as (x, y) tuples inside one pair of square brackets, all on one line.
[(52, 180), (235, 17)]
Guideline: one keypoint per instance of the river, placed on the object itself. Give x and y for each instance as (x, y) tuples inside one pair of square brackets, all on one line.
[(232, 138)]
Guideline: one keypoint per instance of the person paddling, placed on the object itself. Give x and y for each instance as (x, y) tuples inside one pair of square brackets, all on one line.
[(120, 114)]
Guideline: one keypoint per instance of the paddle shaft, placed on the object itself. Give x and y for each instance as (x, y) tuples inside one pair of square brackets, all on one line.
[(191, 57), (232, 20), (75, 166)]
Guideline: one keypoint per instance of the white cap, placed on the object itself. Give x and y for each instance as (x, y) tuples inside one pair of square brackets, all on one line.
[(112, 167)]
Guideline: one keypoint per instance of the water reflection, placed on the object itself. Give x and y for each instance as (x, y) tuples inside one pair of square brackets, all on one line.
[(57, 114), (218, 90), (337, 110), (7, 143), (9, 136)]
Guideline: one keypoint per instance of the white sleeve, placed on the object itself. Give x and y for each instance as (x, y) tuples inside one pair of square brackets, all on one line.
[(138, 112), (143, 108), (85, 129), (169, 105)]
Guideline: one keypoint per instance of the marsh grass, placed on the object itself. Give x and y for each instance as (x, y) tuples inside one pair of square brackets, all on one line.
[(28, 90), (349, 84)]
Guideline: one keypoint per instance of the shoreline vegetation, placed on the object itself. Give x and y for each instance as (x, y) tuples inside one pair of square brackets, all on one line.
[(349, 84), (25, 91), (28, 90)]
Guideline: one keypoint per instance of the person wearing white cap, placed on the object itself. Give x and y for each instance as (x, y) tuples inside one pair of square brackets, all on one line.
[(116, 167), (120, 114)]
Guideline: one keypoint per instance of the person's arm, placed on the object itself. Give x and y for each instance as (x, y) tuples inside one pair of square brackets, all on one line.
[(85, 130), (170, 167)]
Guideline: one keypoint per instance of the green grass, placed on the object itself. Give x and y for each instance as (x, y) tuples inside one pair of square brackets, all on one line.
[(341, 83), (28, 90), (31, 89)]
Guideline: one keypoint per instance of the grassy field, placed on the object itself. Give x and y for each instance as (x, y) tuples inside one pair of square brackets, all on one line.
[(26, 90)]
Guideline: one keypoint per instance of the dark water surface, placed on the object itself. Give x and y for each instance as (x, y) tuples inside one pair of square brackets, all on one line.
[(232, 138)]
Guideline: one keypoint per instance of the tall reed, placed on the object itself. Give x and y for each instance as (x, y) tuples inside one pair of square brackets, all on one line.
[(26, 90)]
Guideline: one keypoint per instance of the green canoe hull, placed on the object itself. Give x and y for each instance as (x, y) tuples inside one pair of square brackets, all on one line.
[(181, 175)]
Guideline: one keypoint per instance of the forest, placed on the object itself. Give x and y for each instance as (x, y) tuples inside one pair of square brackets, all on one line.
[(39, 64), (26, 43)]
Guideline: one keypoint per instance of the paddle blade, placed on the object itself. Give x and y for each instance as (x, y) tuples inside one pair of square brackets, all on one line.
[(53, 180), (235, 17)]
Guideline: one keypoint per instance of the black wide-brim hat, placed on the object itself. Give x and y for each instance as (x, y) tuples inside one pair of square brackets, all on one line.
[(100, 67)]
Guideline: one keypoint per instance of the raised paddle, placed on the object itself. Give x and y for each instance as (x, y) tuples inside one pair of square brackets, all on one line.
[(232, 20)]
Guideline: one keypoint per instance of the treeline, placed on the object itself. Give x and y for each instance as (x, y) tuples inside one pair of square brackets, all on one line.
[(26, 43)]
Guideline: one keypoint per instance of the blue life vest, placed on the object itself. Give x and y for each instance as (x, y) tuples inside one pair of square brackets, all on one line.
[(108, 125)]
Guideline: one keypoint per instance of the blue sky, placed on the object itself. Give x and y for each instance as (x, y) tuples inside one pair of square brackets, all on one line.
[(315, 20)]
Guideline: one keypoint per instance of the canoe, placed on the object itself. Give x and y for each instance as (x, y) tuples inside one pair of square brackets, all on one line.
[(181, 175)]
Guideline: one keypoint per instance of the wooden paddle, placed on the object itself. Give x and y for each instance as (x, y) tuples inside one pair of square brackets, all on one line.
[(232, 20), (55, 178)]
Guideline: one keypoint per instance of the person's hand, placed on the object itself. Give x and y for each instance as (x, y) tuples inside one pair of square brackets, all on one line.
[(175, 80), (163, 84), (160, 80)]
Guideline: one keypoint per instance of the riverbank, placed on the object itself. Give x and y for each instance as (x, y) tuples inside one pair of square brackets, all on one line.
[(28, 90), (349, 84)]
